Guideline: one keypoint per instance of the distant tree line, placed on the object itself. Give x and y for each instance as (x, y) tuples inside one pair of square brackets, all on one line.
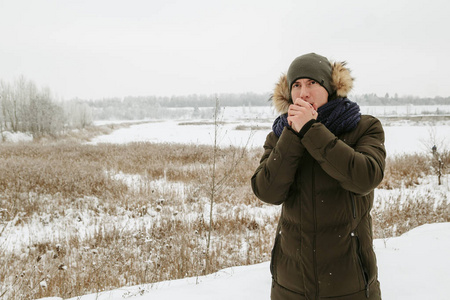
[(26, 108), (243, 99), (129, 108), (153, 107), (395, 100)]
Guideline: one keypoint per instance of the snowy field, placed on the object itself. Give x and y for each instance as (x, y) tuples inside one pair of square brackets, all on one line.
[(413, 266), (401, 138), (244, 125)]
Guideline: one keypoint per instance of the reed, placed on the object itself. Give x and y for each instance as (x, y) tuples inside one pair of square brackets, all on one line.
[(78, 219)]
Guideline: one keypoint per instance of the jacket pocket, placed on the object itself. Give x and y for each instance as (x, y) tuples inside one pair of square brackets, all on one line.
[(363, 270), (274, 256)]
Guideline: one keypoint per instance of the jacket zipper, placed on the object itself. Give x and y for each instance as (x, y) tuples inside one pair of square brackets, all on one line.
[(316, 279), (352, 196)]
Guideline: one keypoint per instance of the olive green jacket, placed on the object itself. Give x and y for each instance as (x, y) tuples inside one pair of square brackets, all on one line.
[(323, 246)]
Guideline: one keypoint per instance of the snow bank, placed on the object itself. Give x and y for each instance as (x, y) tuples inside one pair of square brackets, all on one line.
[(414, 266), (16, 137)]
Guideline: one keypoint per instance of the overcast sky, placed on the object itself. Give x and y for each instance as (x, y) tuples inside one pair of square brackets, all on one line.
[(101, 48)]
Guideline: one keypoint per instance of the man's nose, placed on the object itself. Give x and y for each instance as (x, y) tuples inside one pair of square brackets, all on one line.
[(304, 93)]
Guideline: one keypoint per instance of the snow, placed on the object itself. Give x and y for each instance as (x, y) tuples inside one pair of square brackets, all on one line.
[(7, 136), (414, 266), (414, 138), (172, 132), (401, 136)]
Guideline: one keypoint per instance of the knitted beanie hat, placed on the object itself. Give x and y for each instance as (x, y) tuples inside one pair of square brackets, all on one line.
[(312, 66)]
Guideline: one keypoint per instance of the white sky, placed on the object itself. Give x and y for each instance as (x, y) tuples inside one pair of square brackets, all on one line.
[(102, 48)]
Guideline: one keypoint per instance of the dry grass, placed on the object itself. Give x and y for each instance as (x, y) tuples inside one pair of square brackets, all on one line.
[(403, 211), (253, 127), (406, 170), (151, 229), (92, 218)]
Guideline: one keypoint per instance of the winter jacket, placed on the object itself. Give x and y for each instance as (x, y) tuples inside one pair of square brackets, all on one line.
[(325, 184)]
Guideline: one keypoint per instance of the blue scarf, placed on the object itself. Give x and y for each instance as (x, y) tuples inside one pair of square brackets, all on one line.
[(339, 115)]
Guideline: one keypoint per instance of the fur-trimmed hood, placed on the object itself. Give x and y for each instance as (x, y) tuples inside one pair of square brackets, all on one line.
[(341, 79)]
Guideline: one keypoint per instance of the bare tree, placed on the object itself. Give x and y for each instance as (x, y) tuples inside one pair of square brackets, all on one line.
[(9, 107), (78, 114), (26, 108), (438, 162), (218, 182), (439, 152)]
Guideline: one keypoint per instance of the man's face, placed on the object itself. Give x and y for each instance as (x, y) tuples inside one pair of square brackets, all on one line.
[(309, 91)]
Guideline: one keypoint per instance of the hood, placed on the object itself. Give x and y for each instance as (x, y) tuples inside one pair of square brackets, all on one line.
[(342, 84)]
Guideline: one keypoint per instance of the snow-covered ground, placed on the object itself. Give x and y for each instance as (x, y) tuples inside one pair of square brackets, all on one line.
[(243, 125), (399, 138), (16, 137), (414, 266), (249, 126)]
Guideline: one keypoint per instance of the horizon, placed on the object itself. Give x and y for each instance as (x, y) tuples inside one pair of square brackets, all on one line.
[(212, 95)]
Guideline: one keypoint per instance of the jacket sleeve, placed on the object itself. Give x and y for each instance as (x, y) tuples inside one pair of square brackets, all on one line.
[(274, 176), (358, 168)]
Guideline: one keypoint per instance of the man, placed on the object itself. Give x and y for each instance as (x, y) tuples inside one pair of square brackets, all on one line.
[(322, 162)]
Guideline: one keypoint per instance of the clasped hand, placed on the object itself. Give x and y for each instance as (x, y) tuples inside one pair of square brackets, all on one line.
[(300, 113)]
